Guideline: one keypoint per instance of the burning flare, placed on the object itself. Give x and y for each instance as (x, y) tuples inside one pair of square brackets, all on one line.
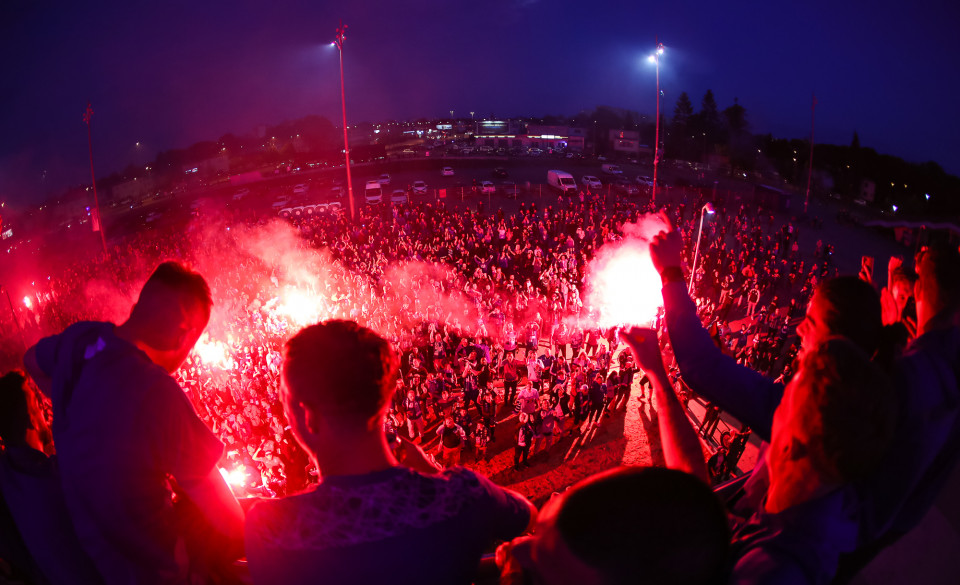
[(623, 286)]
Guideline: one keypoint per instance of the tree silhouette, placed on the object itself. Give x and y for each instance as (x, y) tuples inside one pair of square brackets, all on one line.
[(708, 121)]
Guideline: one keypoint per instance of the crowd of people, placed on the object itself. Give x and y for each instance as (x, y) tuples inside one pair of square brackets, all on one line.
[(485, 304), (454, 321)]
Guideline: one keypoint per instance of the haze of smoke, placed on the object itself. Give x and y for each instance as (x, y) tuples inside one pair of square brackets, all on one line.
[(277, 265), (105, 301), (412, 287)]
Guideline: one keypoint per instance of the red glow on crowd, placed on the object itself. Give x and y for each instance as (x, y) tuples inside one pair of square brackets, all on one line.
[(236, 477), (298, 306), (213, 353)]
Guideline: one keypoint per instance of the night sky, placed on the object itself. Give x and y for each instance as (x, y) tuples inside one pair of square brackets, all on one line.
[(167, 74)]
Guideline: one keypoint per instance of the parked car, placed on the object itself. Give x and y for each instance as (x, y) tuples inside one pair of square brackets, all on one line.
[(300, 189), (373, 193), (398, 196), (487, 188), (591, 182), (447, 171), (500, 172), (612, 169), (419, 188), (384, 179), (644, 181)]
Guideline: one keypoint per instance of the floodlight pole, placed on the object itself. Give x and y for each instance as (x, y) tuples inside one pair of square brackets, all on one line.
[(656, 141), (87, 115), (341, 35)]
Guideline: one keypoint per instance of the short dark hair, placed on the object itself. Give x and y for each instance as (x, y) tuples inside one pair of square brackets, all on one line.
[(852, 407), (647, 525), (173, 300), (854, 311), (174, 275), (340, 367)]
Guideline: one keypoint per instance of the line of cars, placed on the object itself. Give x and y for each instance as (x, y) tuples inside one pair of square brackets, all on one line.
[(376, 192), (373, 192), (565, 182)]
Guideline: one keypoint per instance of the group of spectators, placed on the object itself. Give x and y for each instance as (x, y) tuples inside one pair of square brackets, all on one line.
[(502, 331), (512, 284), (511, 291)]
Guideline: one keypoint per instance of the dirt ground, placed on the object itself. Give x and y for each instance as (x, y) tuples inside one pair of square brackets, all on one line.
[(627, 436)]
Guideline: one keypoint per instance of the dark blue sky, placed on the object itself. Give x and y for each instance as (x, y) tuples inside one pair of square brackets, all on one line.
[(168, 74)]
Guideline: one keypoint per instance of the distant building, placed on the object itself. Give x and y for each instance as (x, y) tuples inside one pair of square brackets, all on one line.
[(624, 142), (536, 136), (495, 127), (868, 190)]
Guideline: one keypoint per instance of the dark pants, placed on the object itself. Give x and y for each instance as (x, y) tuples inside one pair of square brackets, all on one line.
[(491, 423), (579, 414), (595, 411), (520, 452), (509, 391)]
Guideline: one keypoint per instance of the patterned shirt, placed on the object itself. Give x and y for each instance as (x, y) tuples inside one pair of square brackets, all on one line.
[(392, 526)]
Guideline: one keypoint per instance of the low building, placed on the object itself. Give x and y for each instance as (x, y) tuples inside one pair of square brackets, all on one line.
[(536, 136)]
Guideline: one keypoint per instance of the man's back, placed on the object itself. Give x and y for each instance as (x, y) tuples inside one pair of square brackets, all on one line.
[(121, 425), (392, 526)]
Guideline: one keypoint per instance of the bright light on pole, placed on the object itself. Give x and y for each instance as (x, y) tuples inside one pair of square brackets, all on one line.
[(707, 208), (338, 42), (655, 59)]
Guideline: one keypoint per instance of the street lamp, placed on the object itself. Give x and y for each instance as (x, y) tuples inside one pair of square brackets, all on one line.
[(338, 41), (707, 208), (655, 59)]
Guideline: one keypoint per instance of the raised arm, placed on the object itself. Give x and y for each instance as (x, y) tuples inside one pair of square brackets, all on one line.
[(746, 394), (681, 447)]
